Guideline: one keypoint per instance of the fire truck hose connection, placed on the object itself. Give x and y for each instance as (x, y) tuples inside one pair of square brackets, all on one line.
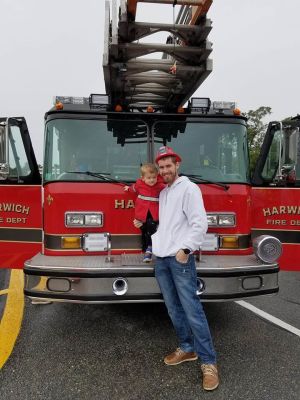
[(120, 286), (267, 248)]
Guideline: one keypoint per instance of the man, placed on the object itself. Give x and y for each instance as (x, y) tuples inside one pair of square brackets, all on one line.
[(182, 226)]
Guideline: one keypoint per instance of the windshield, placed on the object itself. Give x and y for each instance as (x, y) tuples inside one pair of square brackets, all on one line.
[(94, 150), (212, 151)]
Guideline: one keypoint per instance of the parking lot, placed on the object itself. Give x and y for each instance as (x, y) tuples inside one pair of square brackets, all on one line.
[(75, 351)]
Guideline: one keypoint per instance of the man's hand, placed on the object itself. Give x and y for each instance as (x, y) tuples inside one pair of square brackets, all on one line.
[(137, 223), (181, 257)]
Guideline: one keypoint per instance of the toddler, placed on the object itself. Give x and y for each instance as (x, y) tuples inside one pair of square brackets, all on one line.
[(147, 188)]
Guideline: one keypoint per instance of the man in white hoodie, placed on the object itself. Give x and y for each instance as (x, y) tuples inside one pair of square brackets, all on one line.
[(182, 226)]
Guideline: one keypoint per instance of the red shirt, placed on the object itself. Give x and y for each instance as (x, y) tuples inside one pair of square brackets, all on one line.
[(143, 206)]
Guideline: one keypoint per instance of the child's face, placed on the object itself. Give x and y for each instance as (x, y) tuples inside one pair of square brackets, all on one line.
[(149, 178)]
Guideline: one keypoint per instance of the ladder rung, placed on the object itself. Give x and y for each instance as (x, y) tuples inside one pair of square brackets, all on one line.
[(189, 34)]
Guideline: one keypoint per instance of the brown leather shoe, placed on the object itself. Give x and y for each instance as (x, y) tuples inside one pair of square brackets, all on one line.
[(179, 356), (210, 376)]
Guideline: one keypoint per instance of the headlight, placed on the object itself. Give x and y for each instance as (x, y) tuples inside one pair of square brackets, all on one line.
[(77, 219), (267, 248), (227, 220), (74, 219), (221, 219), (93, 220), (212, 220)]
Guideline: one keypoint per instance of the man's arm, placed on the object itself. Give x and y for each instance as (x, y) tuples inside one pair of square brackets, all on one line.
[(195, 213)]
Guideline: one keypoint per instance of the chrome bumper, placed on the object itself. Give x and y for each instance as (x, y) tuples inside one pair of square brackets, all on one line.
[(90, 279)]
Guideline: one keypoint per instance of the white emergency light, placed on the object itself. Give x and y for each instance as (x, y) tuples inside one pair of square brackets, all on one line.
[(200, 104), (99, 101), (221, 106)]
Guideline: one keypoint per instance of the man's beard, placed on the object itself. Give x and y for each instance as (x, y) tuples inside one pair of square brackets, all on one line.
[(169, 177)]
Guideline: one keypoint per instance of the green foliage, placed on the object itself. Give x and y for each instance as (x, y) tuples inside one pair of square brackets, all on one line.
[(256, 131)]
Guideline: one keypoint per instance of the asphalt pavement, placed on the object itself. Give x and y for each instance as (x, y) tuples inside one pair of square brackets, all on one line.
[(115, 352)]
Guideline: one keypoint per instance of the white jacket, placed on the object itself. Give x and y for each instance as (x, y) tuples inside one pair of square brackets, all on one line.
[(182, 219)]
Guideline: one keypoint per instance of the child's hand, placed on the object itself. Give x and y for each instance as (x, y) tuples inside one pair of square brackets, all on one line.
[(137, 223), (126, 188)]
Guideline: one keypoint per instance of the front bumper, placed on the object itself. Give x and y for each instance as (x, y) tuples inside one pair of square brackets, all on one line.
[(90, 279)]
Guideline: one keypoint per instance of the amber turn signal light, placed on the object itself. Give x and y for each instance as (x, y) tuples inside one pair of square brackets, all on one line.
[(59, 105), (229, 242), (71, 242), (118, 108), (236, 111)]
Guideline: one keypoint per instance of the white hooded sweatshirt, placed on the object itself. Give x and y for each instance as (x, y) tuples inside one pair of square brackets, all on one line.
[(182, 219)]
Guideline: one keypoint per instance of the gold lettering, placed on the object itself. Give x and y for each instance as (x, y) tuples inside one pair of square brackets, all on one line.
[(295, 222), (130, 204), (1, 219), (276, 222), (292, 209), (10, 220), (6, 206), (25, 210), (120, 203), (12, 207), (267, 212), (274, 211), (282, 209)]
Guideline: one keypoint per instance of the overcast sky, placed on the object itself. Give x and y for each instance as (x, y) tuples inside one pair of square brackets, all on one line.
[(55, 48)]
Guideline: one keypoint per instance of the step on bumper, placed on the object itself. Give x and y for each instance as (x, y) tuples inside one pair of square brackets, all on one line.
[(125, 278)]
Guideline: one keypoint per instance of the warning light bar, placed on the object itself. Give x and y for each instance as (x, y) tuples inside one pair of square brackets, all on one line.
[(99, 101), (70, 100)]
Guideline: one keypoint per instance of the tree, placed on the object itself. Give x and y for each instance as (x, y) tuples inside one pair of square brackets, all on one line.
[(256, 131)]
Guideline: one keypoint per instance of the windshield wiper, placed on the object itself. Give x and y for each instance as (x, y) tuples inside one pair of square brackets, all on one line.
[(199, 179), (101, 175)]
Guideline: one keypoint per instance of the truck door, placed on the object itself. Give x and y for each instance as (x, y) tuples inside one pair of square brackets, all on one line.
[(276, 191), (20, 195)]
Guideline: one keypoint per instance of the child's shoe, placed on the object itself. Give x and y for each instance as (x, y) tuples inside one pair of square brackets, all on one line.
[(147, 257)]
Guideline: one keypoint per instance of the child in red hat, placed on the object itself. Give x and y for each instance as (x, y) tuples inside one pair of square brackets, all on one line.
[(147, 188)]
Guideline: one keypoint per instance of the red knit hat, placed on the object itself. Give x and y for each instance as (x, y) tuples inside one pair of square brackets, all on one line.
[(166, 151)]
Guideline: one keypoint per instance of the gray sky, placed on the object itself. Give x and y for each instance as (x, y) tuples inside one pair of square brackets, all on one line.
[(55, 48)]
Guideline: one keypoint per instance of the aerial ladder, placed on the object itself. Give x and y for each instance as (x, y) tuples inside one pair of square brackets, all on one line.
[(135, 81)]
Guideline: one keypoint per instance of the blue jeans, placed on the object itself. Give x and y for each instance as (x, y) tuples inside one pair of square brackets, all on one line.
[(178, 284)]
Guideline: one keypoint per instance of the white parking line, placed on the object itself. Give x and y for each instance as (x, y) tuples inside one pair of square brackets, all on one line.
[(269, 317)]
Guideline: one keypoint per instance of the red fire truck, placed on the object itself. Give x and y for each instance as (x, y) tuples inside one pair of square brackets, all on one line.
[(74, 229)]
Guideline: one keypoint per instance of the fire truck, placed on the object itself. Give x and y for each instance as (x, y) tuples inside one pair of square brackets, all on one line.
[(72, 230)]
